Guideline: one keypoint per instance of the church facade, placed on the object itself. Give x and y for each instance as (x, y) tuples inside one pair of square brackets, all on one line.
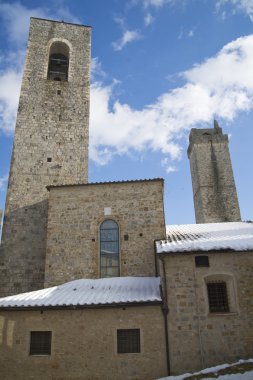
[(93, 284)]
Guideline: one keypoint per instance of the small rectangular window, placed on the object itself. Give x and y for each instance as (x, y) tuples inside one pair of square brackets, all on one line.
[(201, 261), (128, 341), (40, 342), (217, 297)]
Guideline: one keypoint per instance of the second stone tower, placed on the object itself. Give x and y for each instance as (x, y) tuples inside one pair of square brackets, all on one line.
[(214, 191)]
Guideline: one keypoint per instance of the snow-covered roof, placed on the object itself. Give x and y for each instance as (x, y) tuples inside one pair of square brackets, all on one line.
[(236, 236), (87, 292), (241, 370)]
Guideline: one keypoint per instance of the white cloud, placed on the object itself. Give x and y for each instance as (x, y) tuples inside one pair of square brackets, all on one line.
[(221, 86), (191, 33), (245, 6), (128, 36), (148, 19), (10, 81), (120, 21), (186, 34), (16, 18), (155, 3), (3, 182), (167, 165), (96, 70)]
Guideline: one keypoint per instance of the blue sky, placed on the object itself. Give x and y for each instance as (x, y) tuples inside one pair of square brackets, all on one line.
[(159, 68)]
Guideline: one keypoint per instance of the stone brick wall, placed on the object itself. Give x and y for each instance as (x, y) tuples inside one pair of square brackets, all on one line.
[(74, 218), (84, 344), (214, 191), (198, 338), (50, 147)]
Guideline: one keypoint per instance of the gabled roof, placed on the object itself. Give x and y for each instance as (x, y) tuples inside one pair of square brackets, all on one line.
[(89, 293), (236, 236)]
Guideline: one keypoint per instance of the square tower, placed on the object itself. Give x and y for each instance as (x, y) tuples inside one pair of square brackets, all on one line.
[(50, 145), (214, 191)]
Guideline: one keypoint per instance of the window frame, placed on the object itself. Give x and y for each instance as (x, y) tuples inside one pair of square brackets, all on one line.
[(100, 248), (217, 297), (229, 280), (47, 343), (125, 346), (203, 264)]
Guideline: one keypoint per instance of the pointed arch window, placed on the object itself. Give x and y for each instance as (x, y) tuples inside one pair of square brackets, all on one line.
[(109, 249), (58, 64)]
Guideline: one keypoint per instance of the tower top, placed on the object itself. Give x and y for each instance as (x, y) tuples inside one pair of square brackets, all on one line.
[(214, 191), (203, 135), (60, 22)]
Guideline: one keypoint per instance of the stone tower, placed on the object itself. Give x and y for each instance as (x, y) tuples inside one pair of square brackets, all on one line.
[(50, 145), (214, 191)]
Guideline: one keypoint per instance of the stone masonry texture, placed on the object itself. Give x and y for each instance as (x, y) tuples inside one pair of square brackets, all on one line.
[(50, 147), (200, 339), (84, 344), (74, 218), (214, 191)]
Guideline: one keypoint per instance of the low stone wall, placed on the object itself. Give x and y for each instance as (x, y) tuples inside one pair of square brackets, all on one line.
[(84, 344), (198, 338)]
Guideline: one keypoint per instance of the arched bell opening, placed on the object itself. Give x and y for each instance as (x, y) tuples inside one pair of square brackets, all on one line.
[(58, 64)]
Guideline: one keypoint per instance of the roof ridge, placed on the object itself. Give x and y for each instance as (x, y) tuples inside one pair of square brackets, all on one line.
[(105, 182)]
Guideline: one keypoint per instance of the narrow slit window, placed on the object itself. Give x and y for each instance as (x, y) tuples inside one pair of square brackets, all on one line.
[(109, 249)]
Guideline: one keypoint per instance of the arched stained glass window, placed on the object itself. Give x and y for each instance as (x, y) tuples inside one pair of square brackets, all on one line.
[(109, 249)]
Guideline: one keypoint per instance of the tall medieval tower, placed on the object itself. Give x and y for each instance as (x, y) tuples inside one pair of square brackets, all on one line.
[(50, 146), (214, 191)]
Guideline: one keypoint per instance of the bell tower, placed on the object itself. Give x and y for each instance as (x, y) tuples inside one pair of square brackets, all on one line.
[(214, 191), (50, 145)]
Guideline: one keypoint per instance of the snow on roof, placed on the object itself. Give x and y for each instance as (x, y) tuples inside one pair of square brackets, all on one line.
[(88, 292), (232, 375), (237, 236)]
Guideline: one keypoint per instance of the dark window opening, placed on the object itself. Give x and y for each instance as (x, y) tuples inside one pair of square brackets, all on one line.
[(217, 297), (109, 249), (128, 341), (40, 342), (49, 159), (58, 67), (58, 64), (202, 261)]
